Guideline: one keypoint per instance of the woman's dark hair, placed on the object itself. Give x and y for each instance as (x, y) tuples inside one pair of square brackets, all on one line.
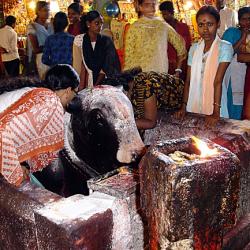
[(123, 78), (168, 6), (14, 83), (89, 17), (60, 76), (10, 20), (76, 7), (242, 11), (60, 22), (207, 9), (40, 5), (137, 3)]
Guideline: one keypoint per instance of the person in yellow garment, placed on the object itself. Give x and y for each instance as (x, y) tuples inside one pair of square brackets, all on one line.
[(147, 39)]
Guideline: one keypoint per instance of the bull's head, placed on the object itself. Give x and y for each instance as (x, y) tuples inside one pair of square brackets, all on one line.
[(104, 129)]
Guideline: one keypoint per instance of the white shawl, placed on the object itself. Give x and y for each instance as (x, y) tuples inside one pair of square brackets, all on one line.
[(9, 98), (78, 43), (201, 91)]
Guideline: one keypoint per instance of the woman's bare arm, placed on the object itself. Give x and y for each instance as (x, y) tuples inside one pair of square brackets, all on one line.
[(243, 57), (182, 111), (212, 119), (150, 114)]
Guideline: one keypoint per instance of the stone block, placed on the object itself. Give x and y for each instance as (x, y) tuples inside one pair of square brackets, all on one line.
[(17, 223), (123, 186), (231, 134), (239, 237), (77, 222), (190, 204)]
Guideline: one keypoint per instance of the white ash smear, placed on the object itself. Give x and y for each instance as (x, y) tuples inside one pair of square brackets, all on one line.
[(75, 207), (68, 139), (162, 156)]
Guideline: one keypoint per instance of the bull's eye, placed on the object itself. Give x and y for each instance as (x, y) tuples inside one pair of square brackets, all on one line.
[(99, 124), (98, 117)]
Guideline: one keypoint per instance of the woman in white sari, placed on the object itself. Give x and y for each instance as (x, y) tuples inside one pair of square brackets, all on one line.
[(205, 92)]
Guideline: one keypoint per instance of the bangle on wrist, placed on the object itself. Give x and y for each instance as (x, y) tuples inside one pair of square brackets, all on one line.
[(216, 104), (178, 70)]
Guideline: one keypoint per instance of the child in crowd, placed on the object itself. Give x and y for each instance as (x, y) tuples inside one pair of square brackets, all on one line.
[(58, 47)]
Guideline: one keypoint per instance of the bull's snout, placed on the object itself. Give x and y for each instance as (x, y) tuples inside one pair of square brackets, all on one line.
[(127, 154)]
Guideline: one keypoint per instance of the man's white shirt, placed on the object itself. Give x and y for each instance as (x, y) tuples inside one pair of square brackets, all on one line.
[(8, 41)]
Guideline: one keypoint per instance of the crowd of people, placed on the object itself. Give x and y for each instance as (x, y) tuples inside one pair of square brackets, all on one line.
[(161, 69)]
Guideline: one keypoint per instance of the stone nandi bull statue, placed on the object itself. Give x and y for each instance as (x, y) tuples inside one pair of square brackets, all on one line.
[(100, 135)]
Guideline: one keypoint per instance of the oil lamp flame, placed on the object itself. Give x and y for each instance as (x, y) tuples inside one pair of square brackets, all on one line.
[(123, 170), (203, 147)]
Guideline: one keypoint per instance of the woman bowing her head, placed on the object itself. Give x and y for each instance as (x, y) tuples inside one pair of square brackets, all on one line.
[(31, 121)]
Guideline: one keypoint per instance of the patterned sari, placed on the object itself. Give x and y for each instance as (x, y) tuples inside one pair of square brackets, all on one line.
[(31, 129), (168, 90)]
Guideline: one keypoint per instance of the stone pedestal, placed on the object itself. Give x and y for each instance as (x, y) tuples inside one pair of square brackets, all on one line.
[(17, 222), (34, 218), (77, 222), (123, 186), (231, 134), (190, 204)]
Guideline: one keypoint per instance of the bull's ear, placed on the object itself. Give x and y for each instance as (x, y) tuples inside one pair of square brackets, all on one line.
[(75, 106), (120, 87)]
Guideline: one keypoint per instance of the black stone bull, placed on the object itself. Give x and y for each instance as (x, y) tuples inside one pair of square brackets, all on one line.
[(100, 135)]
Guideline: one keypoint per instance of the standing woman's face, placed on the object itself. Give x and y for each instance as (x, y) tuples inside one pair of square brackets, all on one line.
[(73, 16), (207, 27), (244, 21), (148, 8), (95, 26), (44, 12)]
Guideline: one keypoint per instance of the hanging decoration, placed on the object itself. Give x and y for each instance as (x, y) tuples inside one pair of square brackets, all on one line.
[(112, 9), (18, 9)]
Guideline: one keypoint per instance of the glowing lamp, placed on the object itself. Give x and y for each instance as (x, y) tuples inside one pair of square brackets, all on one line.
[(54, 7)]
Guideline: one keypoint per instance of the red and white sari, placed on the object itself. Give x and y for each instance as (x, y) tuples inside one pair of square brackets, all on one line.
[(31, 129)]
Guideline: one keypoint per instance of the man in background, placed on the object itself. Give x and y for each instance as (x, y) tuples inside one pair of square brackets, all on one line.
[(8, 47), (167, 11)]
